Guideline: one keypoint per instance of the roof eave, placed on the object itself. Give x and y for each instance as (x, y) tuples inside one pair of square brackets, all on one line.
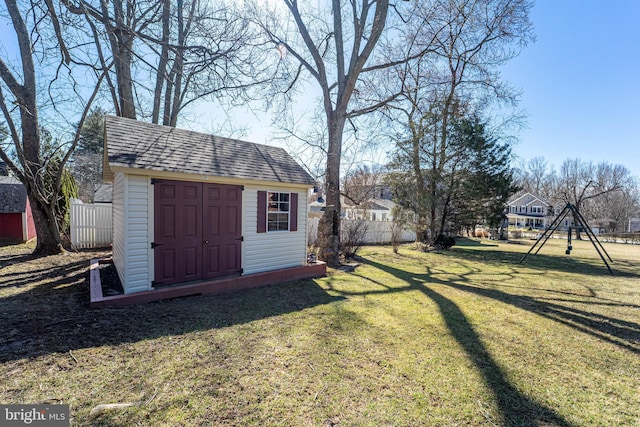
[(183, 176)]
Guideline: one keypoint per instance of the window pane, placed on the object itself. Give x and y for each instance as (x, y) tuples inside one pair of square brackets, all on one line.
[(278, 221)]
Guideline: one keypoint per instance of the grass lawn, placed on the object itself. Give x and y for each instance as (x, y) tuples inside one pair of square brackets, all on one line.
[(463, 337)]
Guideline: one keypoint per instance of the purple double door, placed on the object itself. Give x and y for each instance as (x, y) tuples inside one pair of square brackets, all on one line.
[(197, 231)]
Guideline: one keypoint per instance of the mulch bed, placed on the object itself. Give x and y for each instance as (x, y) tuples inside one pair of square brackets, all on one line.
[(110, 280)]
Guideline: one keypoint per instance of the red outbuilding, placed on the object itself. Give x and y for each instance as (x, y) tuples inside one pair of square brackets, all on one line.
[(16, 220)]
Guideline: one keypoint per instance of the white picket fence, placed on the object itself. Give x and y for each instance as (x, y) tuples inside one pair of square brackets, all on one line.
[(378, 232), (91, 224)]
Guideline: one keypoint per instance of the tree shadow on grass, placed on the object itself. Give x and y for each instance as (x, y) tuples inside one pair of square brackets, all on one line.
[(54, 317), (466, 241), (6, 260), (63, 274), (624, 334), (515, 407), (542, 262)]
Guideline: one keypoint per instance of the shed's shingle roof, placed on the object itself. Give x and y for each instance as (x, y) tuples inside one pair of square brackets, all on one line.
[(13, 195), (141, 145)]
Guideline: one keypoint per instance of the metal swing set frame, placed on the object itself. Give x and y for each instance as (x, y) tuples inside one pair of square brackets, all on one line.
[(582, 226)]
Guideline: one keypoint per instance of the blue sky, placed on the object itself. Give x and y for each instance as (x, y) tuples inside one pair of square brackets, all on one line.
[(581, 82)]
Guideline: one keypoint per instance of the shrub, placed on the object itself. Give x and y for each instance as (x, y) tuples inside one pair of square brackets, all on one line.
[(352, 236), (444, 242)]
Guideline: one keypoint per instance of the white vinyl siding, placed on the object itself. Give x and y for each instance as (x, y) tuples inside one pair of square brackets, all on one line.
[(119, 254), (137, 234), (133, 232), (130, 234), (272, 251)]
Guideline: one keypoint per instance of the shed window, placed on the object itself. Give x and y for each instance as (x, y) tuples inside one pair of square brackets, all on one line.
[(275, 209), (278, 211)]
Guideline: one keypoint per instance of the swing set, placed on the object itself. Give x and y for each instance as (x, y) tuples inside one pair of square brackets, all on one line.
[(582, 226)]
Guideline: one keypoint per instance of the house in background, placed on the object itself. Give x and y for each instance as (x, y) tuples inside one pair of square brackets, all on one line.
[(529, 211), (370, 210), (190, 207), (16, 220), (375, 198)]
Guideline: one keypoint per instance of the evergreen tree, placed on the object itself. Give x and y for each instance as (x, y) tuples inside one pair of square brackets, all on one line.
[(87, 159), (92, 132), (486, 180), (467, 184)]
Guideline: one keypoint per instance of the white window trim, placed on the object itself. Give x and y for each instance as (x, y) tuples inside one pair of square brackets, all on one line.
[(288, 212)]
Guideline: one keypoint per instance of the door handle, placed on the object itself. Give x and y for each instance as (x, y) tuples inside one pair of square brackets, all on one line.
[(206, 242)]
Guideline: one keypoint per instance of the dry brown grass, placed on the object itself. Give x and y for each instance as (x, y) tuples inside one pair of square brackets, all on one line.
[(464, 337)]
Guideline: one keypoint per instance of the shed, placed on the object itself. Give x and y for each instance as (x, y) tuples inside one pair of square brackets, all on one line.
[(191, 207), (16, 220)]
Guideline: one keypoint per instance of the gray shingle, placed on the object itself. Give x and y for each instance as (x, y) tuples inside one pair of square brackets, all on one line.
[(103, 193), (141, 145), (13, 195)]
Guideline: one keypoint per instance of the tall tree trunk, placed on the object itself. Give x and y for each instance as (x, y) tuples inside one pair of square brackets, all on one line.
[(43, 211), (416, 139), (178, 70), (161, 73), (329, 225), (28, 143), (121, 44), (44, 219)]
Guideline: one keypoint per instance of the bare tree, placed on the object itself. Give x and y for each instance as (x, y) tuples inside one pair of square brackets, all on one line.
[(165, 55), (613, 210), (21, 83), (536, 177), (580, 181), (464, 43), (583, 183), (336, 47), (363, 184)]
